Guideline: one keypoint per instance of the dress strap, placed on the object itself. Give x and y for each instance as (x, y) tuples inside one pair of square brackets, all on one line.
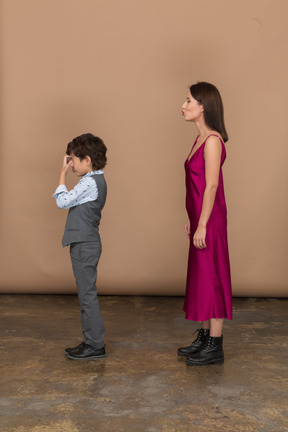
[(215, 136)]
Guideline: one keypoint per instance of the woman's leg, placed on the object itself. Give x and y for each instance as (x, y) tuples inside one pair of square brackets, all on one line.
[(206, 324), (216, 326)]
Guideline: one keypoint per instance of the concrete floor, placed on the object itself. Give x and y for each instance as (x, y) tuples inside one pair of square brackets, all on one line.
[(141, 385)]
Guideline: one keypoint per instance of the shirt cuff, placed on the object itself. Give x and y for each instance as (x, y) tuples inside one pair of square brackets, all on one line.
[(60, 188)]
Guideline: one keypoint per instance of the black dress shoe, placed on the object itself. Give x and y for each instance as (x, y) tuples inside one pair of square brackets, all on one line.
[(196, 345), (69, 350), (212, 352), (87, 352)]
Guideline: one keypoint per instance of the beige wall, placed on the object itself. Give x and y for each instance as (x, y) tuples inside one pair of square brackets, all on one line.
[(120, 69)]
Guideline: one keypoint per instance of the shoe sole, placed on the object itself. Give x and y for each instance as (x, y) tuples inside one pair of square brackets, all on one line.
[(216, 361), (86, 358)]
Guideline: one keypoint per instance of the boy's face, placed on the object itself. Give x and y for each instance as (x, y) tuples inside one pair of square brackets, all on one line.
[(80, 167)]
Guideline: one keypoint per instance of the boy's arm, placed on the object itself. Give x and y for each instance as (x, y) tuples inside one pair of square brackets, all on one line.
[(65, 166), (86, 190)]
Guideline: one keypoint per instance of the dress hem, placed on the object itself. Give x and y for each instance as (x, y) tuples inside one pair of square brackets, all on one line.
[(189, 318)]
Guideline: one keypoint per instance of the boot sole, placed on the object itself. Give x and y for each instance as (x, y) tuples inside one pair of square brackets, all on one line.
[(215, 361), (186, 355)]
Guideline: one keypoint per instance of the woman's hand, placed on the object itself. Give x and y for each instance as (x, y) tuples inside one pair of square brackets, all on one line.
[(187, 228), (199, 237)]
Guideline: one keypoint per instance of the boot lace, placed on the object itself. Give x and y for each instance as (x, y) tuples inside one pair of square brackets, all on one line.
[(199, 336), (207, 344)]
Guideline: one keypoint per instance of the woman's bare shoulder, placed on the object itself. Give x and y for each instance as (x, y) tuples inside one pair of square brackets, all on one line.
[(213, 145), (214, 137)]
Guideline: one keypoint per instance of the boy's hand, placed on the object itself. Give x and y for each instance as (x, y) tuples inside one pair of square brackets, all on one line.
[(67, 161)]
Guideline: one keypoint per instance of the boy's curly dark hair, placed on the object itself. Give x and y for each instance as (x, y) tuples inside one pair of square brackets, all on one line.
[(89, 145)]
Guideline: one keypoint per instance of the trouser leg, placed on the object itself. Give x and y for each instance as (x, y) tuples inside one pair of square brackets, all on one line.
[(84, 258)]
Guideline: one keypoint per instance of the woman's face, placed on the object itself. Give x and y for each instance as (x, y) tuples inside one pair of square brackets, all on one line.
[(191, 109)]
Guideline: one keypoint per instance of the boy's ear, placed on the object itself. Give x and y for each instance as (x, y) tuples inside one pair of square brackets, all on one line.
[(88, 160)]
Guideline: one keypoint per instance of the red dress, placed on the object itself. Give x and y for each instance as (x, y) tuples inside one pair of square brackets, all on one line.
[(208, 289)]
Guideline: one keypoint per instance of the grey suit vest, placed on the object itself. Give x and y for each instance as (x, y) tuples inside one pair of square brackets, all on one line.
[(83, 220)]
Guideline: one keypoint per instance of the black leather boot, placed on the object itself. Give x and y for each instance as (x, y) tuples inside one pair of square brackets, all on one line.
[(212, 352), (196, 345)]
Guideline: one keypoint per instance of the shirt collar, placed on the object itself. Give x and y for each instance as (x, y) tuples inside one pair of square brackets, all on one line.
[(93, 173)]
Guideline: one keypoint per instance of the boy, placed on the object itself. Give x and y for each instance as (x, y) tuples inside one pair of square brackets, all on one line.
[(86, 155)]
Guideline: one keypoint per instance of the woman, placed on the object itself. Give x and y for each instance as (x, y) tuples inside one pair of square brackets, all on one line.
[(208, 292)]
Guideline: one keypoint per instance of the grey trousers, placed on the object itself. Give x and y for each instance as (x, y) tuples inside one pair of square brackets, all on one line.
[(84, 258)]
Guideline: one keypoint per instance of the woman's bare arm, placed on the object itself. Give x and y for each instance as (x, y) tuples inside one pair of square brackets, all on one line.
[(212, 156)]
